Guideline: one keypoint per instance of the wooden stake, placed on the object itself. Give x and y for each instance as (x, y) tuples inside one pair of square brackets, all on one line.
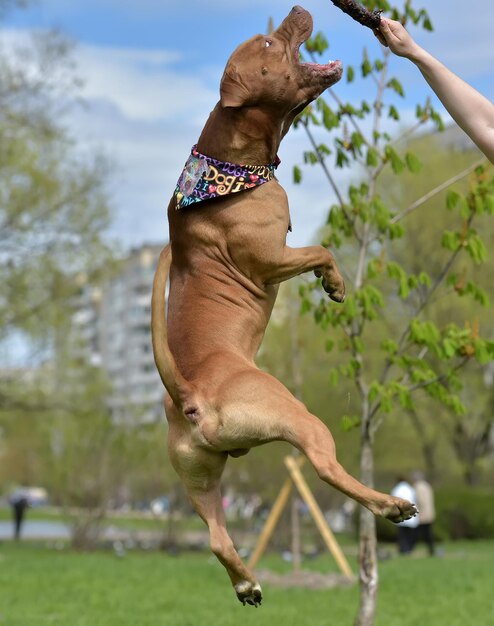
[(318, 517), (273, 517)]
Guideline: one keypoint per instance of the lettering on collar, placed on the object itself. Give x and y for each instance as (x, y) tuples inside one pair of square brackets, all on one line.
[(204, 178)]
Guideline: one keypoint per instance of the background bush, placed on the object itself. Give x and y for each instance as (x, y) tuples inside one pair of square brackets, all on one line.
[(462, 513)]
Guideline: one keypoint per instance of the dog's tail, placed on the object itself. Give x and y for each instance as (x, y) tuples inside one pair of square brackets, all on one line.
[(176, 385)]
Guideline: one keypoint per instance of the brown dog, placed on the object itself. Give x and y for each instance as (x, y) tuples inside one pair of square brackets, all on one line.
[(228, 255)]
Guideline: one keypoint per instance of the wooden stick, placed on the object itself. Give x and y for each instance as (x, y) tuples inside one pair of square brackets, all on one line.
[(318, 517), (273, 517), (359, 13)]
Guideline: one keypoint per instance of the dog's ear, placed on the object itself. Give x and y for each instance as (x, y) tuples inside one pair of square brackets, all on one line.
[(233, 91)]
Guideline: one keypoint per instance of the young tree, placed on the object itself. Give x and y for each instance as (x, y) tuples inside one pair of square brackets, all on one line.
[(391, 347)]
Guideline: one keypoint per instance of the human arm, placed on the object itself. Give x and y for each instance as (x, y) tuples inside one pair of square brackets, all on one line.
[(471, 110)]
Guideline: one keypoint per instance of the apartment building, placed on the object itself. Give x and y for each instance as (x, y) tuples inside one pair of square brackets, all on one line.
[(113, 327)]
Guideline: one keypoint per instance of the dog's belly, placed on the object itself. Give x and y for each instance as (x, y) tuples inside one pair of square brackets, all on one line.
[(222, 252), (214, 313)]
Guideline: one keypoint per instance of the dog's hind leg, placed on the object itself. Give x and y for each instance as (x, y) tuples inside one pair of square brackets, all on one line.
[(209, 506), (200, 471), (257, 408)]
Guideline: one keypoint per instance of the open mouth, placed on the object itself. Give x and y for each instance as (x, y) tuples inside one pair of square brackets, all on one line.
[(299, 25), (332, 69)]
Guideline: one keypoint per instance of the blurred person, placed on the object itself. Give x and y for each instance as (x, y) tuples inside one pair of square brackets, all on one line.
[(471, 110), (19, 503), (425, 503), (407, 529)]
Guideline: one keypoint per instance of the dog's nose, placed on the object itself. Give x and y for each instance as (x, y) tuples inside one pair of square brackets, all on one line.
[(298, 9)]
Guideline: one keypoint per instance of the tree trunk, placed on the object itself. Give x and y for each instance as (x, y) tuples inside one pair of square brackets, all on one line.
[(471, 473), (368, 575), (427, 444), (298, 387), (296, 547)]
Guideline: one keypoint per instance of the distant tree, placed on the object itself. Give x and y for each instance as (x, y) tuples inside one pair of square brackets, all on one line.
[(393, 350), (54, 211), (468, 434), (54, 204)]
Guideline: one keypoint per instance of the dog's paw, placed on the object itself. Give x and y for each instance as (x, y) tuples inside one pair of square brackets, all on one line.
[(249, 593), (336, 293), (398, 510), (333, 284)]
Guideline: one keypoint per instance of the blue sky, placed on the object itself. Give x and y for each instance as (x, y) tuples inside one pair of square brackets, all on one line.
[(151, 70)]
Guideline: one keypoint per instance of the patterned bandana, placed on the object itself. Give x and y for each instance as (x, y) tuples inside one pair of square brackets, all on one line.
[(204, 178)]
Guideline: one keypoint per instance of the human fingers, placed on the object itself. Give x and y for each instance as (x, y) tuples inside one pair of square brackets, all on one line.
[(380, 36), (397, 37)]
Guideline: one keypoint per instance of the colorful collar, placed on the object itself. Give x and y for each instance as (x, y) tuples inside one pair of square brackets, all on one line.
[(204, 178)]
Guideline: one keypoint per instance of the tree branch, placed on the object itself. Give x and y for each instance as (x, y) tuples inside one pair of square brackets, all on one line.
[(326, 171), (436, 190)]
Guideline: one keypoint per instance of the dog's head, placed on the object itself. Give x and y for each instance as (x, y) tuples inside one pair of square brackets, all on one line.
[(266, 70)]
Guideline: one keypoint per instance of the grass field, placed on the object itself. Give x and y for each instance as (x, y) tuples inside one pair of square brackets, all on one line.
[(129, 521), (41, 587)]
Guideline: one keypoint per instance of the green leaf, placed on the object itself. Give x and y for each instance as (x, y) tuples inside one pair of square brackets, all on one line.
[(372, 159), (350, 74), (393, 113), (452, 198), (449, 347), (350, 422), (318, 43), (334, 377), (310, 157), (404, 398), (375, 390), (395, 85), (305, 307), (357, 141), (329, 118), (413, 162), (450, 240), (341, 158), (396, 162), (489, 204), (366, 66), (427, 24), (424, 279), (425, 333), (390, 346), (396, 231), (297, 174), (476, 249)]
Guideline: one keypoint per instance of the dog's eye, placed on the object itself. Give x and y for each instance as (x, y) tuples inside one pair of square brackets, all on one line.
[(268, 43)]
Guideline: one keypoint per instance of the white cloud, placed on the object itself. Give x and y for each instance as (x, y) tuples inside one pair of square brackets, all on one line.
[(142, 84), (147, 107), (462, 36), (164, 7)]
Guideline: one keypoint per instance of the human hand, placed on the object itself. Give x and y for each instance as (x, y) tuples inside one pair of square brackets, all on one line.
[(393, 35)]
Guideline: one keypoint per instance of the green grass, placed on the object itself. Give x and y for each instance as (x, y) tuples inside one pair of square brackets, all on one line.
[(41, 587), (41, 514), (130, 522)]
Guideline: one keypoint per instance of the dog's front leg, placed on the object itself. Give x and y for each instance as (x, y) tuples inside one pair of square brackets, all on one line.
[(296, 261)]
